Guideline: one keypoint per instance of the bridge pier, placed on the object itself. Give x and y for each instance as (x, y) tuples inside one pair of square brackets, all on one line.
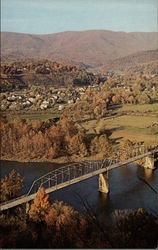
[(103, 183), (27, 207), (149, 162)]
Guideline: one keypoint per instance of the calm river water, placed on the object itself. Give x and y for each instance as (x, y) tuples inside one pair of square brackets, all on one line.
[(126, 190)]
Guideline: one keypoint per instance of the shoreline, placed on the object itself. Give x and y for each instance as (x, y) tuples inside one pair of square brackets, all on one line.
[(61, 160)]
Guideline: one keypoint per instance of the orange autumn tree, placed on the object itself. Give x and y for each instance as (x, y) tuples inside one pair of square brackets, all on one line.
[(11, 186), (126, 149), (40, 206), (68, 127), (67, 224)]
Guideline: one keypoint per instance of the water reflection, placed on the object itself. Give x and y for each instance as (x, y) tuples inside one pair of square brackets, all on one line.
[(148, 174), (127, 171)]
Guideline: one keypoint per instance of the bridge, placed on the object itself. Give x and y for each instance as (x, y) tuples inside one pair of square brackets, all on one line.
[(74, 173)]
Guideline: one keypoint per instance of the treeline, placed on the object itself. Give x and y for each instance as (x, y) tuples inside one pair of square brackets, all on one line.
[(43, 73), (40, 66), (26, 139), (57, 225), (96, 103)]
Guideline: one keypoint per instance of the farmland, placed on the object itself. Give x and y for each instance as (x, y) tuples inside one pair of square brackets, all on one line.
[(138, 126)]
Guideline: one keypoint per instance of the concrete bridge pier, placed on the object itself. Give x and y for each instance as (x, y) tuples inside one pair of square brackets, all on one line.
[(103, 183), (149, 162), (27, 207)]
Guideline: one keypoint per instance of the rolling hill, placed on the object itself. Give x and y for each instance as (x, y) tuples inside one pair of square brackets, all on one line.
[(133, 60), (92, 48)]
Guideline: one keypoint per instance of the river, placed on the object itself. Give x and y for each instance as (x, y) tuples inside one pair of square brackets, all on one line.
[(126, 190)]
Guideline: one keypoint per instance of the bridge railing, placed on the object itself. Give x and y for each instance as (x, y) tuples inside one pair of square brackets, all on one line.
[(64, 174)]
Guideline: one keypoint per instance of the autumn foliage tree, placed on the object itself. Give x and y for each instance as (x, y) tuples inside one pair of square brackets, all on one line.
[(101, 145), (40, 206), (63, 225), (137, 229), (126, 149), (39, 140), (116, 99), (11, 186), (69, 226), (58, 225)]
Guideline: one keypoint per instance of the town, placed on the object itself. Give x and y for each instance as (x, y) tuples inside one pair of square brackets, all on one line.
[(20, 93)]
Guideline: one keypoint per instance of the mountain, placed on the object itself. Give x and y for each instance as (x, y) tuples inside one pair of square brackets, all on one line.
[(137, 59), (93, 48)]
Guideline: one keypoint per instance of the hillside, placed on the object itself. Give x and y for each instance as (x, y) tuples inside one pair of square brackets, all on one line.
[(21, 74), (135, 60), (94, 48)]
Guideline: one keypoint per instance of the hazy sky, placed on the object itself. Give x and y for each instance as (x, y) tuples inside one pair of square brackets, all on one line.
[(50, 16)]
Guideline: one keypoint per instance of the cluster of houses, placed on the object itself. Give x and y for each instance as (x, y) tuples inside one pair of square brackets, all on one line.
[(41, 101), (26, 99)]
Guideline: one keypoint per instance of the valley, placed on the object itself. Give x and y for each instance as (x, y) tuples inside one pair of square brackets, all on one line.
[(79, 124), (103, 110)]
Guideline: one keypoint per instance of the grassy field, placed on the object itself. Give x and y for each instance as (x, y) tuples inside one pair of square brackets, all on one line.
[(140, 108), (132, 121), (35, 115), (137, 127)]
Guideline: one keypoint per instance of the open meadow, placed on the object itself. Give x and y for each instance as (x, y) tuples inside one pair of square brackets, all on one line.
[(139, 124)]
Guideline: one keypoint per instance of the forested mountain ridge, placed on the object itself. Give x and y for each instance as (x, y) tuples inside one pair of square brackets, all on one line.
[(92, 48), (137, 59)]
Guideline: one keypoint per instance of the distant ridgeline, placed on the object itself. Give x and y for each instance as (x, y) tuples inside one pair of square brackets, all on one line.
[(94, 48)]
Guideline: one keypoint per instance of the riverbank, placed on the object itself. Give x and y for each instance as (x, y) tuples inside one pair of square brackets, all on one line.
[(60, 160)]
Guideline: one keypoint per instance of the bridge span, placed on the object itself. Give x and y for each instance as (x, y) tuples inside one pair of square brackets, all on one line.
[(74, 173)]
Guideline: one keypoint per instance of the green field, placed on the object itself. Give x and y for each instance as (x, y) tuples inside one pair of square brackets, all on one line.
[(137, 127), (140, 108), (36, 115)]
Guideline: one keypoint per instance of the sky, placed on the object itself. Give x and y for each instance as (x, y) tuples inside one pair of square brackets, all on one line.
[(52, 16)]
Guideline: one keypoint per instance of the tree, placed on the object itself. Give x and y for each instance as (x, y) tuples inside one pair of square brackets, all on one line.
[(143, 98), (77, 114), (68, 127), (40, 206), (116, 99), (97, 111), (100, 145), (131, 99), (77, 144), (136, 229), (110, 81), (11, 186), (67, 225), (126, 149)]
